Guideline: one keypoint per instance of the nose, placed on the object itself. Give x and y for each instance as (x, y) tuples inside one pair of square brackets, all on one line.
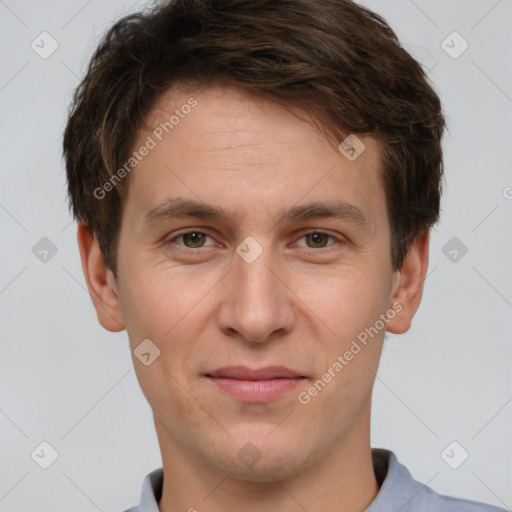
[(258, 304)]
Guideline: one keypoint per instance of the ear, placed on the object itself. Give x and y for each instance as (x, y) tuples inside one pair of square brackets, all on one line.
[(408, 284), (100, 281)]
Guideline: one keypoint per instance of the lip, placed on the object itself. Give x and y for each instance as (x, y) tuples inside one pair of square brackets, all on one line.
[(245, 373), (255, 385)]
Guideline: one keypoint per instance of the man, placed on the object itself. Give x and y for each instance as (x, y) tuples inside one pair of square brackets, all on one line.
[(255, 183)]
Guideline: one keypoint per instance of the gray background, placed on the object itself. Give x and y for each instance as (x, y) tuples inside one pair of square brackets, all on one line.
[(66, 381)]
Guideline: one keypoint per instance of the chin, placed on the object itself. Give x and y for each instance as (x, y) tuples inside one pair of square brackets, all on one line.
[(263, 471), (261, 459)]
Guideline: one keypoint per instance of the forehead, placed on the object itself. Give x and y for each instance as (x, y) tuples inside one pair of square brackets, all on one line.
[(221, 111), (218, 142)]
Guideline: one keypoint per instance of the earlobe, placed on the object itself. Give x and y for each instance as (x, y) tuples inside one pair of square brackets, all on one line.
[(100, 281), (408, 284)]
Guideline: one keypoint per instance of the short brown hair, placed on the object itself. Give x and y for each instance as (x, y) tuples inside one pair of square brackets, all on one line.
[(334, 59)]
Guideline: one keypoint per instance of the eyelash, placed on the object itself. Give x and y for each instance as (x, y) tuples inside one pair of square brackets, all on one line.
[(307, 249)]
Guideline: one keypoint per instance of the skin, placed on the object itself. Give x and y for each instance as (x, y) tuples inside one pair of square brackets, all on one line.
[(205, 307)]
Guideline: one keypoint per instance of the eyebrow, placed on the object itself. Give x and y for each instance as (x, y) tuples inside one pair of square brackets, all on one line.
[(177, 207)]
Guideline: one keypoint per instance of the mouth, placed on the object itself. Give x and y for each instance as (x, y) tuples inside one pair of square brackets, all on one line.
[(255, 385)]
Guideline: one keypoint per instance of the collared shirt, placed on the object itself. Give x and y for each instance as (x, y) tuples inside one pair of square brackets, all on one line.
[(399, 492)]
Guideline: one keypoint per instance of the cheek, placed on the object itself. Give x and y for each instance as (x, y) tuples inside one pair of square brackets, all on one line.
[(157, 304), (170, 396), (166, 309), (347, 299), (349, 303), (169, 310)]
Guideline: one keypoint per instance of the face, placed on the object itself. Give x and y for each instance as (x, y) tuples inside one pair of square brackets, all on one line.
[(256, 276)]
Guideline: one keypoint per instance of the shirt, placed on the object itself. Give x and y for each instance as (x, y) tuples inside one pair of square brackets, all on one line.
[(398, 492)]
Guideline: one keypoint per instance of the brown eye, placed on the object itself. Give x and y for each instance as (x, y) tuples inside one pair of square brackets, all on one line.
[(317, 239), (193, 239), (189, 240)]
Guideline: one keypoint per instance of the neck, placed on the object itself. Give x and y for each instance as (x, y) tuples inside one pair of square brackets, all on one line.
[(343, 479)]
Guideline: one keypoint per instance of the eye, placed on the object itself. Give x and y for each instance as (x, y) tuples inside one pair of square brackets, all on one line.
[(191, 239), (318, 239)]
